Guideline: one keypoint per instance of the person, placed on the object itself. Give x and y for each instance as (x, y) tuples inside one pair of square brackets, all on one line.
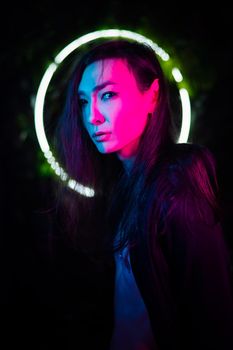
[(155, 213)]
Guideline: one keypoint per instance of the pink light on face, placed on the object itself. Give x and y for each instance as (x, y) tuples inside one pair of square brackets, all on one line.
[(116, 106)]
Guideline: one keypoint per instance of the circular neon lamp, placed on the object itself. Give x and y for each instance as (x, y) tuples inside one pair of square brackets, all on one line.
[(42, 90)]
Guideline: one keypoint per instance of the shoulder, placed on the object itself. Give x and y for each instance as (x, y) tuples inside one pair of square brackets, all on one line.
[(187, 183), (190, 170), (190, 159), (192, 220)]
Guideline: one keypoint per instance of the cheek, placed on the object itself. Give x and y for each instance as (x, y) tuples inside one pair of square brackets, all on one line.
[(133, 118), (87, 128), (84, 121)]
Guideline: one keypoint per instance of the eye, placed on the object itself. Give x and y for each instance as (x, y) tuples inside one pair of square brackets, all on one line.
[(109, 94), (82, 102)]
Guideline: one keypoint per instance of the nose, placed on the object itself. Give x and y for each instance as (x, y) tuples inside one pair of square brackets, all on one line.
[(95, 116)]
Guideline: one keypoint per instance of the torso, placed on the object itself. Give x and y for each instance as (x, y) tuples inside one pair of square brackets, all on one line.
[(132, 329)]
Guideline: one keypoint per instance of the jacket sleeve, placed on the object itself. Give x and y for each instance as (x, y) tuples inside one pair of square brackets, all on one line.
[(201, 276)]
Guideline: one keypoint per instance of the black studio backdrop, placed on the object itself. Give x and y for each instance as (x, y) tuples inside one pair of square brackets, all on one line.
[(34, 290)]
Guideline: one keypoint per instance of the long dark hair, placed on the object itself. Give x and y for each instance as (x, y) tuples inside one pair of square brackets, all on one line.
[(120, 199)]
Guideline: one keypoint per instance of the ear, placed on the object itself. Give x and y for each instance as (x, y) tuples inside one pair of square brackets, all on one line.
[(153, 93)]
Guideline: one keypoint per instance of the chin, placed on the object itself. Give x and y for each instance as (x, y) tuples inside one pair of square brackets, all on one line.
[(106, 150)]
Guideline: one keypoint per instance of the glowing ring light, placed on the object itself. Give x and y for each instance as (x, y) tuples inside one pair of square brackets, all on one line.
[(40, 97)]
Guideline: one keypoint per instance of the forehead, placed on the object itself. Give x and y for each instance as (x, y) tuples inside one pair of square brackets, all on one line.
[(115, 70)]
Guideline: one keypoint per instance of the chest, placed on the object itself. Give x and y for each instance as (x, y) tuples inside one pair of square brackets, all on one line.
[(132, 329)]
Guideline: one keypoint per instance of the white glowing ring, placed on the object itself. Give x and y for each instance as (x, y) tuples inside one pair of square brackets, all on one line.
[(40, 97)]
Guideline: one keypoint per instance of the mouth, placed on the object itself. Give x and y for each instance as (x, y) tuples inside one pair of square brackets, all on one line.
[(102, 136)]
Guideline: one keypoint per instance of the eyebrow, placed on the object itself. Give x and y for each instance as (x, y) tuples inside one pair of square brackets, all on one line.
[(98, 87)]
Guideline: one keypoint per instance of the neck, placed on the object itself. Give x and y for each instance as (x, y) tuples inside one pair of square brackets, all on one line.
[(128, 155), (127, 164)]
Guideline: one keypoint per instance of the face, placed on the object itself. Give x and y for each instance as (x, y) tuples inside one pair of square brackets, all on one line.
[(112, 103)]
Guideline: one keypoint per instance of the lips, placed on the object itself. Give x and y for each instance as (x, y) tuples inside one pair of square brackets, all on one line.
[(101, 136), (100, 133)]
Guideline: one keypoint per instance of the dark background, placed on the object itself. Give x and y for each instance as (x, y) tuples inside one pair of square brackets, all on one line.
[(32, 34)]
